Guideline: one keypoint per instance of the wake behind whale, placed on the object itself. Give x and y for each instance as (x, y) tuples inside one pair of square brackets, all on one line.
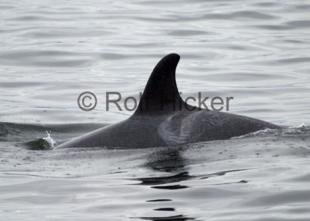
[(164, 119)]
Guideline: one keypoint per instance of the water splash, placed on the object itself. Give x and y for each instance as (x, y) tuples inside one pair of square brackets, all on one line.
[(49, 140), (45, 143)]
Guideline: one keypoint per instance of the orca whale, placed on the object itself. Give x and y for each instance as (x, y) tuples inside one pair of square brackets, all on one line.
[(162, 118)]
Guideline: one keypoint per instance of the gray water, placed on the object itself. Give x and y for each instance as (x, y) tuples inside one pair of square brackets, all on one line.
[(254, 51)]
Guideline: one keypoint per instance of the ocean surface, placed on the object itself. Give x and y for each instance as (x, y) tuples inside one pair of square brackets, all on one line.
[(255, 51)]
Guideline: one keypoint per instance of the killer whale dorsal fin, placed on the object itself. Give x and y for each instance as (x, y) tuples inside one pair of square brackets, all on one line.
[(161, 91)]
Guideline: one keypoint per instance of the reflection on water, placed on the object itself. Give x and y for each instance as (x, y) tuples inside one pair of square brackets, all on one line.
[(168, 218), (171, 161), (167, 160)]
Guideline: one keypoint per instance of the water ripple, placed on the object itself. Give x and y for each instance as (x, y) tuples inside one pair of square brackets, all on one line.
[(49, 58)]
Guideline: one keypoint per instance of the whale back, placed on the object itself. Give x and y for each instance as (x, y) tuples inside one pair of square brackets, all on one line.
[(158, 121)]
